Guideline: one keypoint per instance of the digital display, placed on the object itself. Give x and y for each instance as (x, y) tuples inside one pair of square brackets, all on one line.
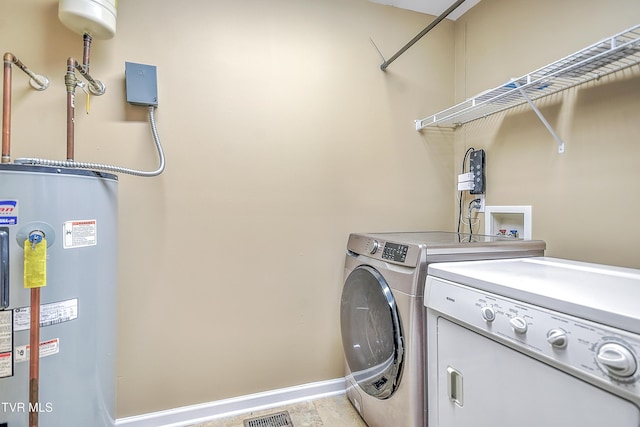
[(395, 252)]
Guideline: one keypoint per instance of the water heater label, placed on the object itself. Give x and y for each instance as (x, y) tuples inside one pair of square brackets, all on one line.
[(6, 343), (80, 234), (8, 212), (47, 348), (50, 314), (6, 364), (6, 331)]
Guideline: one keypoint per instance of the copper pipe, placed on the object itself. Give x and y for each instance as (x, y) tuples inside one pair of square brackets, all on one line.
[(96, 87), (34, 358), (37, 82), (70, 82), (6, 109), (86, 51)]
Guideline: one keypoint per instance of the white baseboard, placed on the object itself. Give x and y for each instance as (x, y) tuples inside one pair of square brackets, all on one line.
[(187, 415)]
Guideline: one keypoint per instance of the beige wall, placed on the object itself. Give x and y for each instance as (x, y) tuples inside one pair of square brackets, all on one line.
[(585, 202), (282, 136)]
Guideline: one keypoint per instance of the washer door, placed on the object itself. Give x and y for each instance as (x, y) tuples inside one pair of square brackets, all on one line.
[(371, 332)]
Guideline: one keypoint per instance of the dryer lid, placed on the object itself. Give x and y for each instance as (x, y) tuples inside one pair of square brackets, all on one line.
[(601, 293)]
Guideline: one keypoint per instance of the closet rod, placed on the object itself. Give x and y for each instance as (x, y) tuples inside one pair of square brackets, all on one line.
[(413, 41)]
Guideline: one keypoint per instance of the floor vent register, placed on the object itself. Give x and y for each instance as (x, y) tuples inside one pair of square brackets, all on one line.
[(280, 419)]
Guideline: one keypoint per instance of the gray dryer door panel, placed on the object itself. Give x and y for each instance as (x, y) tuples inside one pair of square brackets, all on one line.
[(481, 383)]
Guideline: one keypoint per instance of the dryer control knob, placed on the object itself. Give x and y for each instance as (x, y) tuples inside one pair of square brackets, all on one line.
[(374, 247), (518, 324), (488, 314), (557, 338), (617, 360)]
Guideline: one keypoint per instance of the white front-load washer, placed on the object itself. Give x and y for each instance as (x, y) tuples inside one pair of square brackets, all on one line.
[(532, 342), (381, 315)]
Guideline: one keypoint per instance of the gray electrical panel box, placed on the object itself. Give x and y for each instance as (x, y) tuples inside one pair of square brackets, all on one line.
[(141, 83)]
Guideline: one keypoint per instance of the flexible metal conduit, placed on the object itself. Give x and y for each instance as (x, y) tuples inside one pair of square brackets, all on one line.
[(103, 167)]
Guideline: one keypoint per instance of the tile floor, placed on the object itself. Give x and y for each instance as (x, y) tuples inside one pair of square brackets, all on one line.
[(333, 411)]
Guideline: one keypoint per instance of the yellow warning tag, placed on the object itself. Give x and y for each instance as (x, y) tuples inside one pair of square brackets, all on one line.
[(35, 264)]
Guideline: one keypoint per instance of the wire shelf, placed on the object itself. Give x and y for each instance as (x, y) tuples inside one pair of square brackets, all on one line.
[(607, 56)]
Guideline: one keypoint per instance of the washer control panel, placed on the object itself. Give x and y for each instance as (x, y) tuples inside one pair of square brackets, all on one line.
[(395, 252), (600, 353), (390, 251), (384, 250)]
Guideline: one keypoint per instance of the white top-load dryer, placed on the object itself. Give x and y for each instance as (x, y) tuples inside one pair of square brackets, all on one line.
[(381, 314), (532, 342)]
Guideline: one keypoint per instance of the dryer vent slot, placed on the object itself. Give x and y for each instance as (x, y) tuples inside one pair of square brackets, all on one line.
[(280, 419)]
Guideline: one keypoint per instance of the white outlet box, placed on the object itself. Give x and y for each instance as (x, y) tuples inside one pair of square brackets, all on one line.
[(481, 197), (508, 218)]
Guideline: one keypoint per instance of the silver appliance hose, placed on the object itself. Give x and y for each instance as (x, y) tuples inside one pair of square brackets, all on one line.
[(103, 167)]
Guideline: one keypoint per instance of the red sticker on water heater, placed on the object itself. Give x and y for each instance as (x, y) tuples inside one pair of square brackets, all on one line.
[(80, 233), (8, 212)]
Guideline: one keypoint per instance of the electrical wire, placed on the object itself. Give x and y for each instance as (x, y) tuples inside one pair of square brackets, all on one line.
[(472, 205), (469, 221), (109, 168), (464, 161)]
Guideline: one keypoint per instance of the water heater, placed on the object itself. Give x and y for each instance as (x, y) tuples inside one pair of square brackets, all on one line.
[(94, 17), (76, 210)]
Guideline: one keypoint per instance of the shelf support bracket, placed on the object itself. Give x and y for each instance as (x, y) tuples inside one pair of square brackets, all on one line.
[(542, 119)]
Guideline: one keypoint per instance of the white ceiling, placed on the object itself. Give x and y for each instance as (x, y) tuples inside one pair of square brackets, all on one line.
[(432, 7)]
